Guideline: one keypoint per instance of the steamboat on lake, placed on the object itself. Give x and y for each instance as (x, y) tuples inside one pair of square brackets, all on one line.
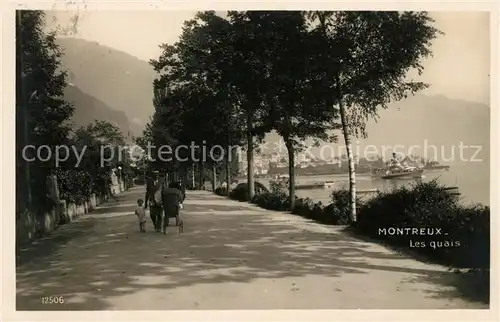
[(396, 171), (315, 185)]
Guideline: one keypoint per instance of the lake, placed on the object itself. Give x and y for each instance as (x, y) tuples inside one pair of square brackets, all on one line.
[(473, 180)]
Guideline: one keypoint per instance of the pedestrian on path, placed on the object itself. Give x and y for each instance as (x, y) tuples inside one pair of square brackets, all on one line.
[(156, 210), (154, 196), (140, 212)]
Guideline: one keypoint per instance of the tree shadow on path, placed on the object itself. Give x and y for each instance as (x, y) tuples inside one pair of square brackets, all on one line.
[(116, 260)]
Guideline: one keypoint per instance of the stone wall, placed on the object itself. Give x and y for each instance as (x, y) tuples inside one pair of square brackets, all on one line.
[(29, 226)]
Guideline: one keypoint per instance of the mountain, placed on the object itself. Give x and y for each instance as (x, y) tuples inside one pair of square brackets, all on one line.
[(121, 81), (434, 125), (88, 109), (124, 83)]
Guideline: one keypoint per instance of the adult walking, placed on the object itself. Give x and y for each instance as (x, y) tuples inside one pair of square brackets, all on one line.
[(153, 198)]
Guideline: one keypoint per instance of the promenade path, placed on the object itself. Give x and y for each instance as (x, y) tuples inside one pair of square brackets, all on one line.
[(231, 256)]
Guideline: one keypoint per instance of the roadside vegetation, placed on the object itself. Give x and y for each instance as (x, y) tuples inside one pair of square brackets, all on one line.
[(44, 119)]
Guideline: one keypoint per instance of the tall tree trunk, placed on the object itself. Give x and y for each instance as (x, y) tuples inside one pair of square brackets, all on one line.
[(228, 172), (228, 157), (214, 177), (180, 171), (193, 181), (350, 157), (250, 181), (291, 173), (202, 175)]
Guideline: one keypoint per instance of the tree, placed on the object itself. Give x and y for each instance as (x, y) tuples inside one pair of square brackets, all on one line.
[(99, 141), (42, 114), (106, 138), (106, 132), (143, 142), (146, 137), (367, 57), (294, 112), (194, 73), (249, 68)]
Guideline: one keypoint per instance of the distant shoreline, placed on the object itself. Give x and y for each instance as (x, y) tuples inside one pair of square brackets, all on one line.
[(312, 174)]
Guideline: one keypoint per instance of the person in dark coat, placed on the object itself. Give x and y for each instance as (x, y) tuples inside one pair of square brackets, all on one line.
[(151, 199), (150, 183)]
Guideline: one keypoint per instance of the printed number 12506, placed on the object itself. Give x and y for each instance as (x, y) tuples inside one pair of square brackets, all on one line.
[(52, 300)]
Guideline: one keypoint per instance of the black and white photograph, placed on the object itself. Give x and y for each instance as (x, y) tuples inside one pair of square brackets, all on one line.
[(252, 160)]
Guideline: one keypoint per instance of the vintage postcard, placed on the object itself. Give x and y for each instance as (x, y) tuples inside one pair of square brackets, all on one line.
[(289, 161)]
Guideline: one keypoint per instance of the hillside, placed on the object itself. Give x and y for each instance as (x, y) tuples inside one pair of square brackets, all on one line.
[(119, 80), (88, 109), (124, 83)]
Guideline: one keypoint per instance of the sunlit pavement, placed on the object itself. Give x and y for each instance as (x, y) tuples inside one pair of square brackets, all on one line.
[(230, 256)]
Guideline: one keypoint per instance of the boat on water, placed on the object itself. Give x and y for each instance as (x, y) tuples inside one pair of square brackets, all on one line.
[(329, 184), (313, 185), (396, 171), (405, 173), (316, 185)]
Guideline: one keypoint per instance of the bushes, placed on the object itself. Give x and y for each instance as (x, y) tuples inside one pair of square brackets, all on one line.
[(75, 185), (220, 191), (339, 208), (240, 192), (304, 207), (465, 230), (276, 198), (336, 213), (271, 201), (463, 242)]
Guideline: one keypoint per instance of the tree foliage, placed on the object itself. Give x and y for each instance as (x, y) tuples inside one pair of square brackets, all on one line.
[(373, 51), (236, 78), (42, 115), (98, 146), (194, 101), (43, 119)]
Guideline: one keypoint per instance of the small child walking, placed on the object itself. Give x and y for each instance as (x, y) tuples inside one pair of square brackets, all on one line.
[(140, 212)]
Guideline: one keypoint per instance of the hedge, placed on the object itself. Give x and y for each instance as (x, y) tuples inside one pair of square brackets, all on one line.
[(240, 192), (461, 233), (277, 199), (75, 185), (423, 205)]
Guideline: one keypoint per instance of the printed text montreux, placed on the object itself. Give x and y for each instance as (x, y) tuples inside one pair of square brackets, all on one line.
[(426, 231)]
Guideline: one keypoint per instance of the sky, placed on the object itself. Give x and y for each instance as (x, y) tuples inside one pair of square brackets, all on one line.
[(459, 68)]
